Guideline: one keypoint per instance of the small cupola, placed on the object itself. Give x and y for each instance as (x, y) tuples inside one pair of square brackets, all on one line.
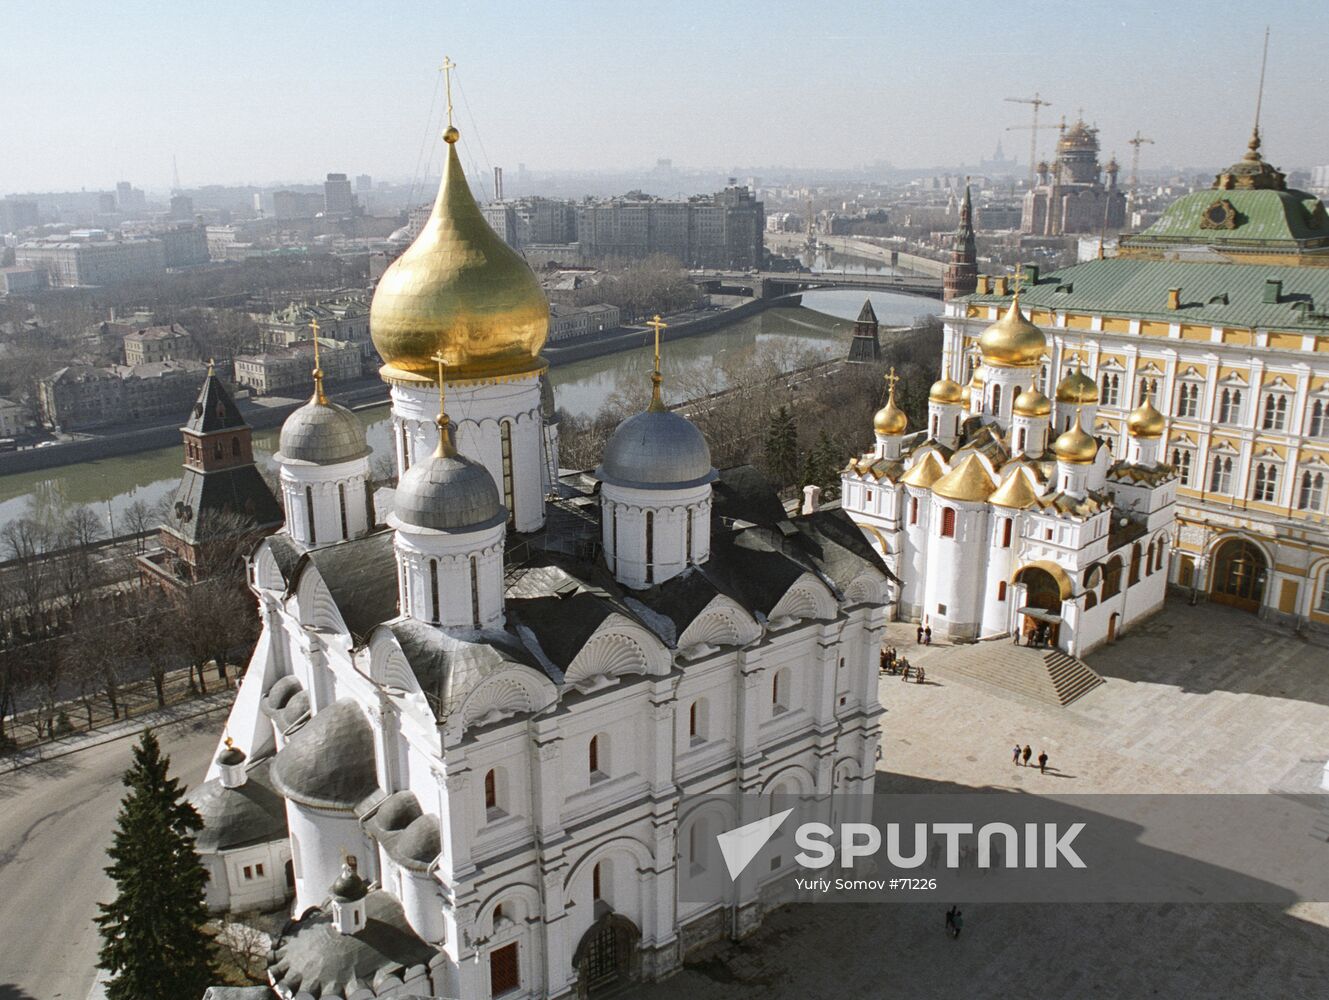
[(348, 899), (231, 765)]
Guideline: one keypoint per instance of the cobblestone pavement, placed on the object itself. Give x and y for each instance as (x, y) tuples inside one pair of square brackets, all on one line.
[(1197, 700)]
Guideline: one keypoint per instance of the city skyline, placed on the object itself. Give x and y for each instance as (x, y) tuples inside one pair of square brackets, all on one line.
[(842, 96)]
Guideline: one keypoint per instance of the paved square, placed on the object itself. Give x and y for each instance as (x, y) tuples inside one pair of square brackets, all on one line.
[(1197, 700)]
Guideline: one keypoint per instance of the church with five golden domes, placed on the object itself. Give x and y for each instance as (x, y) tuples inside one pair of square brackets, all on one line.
[(1006, 516)]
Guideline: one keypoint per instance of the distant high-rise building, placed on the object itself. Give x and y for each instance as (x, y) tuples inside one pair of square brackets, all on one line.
[(337, 196), (16, 215), (129, 198), (364, 183), (182, 207)]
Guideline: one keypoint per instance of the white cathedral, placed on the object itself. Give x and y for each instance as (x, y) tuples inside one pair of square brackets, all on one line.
[(1006, 516), (480, 704)]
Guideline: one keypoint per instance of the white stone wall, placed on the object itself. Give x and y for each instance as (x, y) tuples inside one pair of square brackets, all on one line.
[(334, 489), (624, 530)]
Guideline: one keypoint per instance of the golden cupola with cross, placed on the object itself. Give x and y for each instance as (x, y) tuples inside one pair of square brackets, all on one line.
[(1013, 341), (460, 292)]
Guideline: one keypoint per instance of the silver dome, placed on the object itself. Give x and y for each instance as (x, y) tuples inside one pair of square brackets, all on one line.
[(448, 493), (321, 434), (656, 450)]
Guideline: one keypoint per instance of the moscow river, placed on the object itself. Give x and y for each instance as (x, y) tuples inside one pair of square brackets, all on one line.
[(822, 324)]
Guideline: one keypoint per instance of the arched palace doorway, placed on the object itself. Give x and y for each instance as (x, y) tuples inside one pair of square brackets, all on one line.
[(1240, 569), (607, 958)]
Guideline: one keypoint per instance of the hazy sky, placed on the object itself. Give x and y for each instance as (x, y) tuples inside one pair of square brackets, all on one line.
[(260, 92)]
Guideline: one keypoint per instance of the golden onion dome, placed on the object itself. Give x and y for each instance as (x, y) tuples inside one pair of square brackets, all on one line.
[(969, 481), (1012, 341), (460, 292), (1032, 403), (890, 419), (1075, 446), (976, 380), (1078, 388), (1144, 421), (945, 390)]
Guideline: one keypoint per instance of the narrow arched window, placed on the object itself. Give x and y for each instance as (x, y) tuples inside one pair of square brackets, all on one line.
[(433, 589), (475, 593), (650, 546), (948, 522), (491, 791), (509, 496), (341, 503), (309, 514), (1006, 532)]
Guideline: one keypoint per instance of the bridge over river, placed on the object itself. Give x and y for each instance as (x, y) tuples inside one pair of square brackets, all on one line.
[(769, 284)]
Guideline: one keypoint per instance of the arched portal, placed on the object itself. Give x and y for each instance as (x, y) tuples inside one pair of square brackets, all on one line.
[(607, 957), (1240, 569), (1046, 585)]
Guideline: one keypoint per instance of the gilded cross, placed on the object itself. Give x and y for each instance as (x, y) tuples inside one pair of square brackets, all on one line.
[(657, 324), (447, 67), (891, 378), (318, 369), (1019, 275), (439, 360)]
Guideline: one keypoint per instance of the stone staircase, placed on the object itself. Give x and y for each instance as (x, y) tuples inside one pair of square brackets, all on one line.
[(1048, 676)]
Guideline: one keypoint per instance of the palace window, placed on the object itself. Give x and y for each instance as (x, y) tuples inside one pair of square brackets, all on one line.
[(948, 522), (1109, 389), (1188, 400), (1266, 482), (1220, 479), (1311, 494), (1181, 461), (1229, 406), (1319, 419), (1275, 413), (1324, 593), (1147, 387)]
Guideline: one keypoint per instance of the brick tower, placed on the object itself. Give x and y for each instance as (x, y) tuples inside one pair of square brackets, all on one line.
[(962, 271)]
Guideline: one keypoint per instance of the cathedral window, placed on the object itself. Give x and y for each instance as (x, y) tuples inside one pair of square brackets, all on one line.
[(341, 503), (936, 421), (1001, 590), (596, 758), (1043, 377), (596, 884), (1266, 482), (913, 510), (1188, 400), (433, 590), (505, 432), (691, 517), (1158, 554), (504, 970), (650, 546), (1006, 532), (996, 399), (1311, 494), (1220, 479), (1229, 406), (309, 514), (491, 791), (475, 594), (948, 522), (1135, 566), (405, 449), (780, 691), (1019, 439), (613, 540), (1319, 419), (1109, 389), (1275, 413), (1112, 578)]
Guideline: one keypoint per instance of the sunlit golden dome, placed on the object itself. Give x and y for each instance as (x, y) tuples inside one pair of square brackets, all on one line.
[(1012, 341), (1015, 493), (1075, 446), (945, 390), (969, 481), (1032, 403), (890, 419), (1078, 388), (461, 292), (1144, 421)]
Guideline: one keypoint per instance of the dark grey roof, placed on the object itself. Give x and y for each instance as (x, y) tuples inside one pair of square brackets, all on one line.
[(831, 543), (329, 762), (448, 666), (285, 703), (321, 433), (238, 993), (361, 576), (410, 837), (214, 410), (316, 958), (656, 450), (286, 553), (743, 494), (751, 567), (448, 493), (237, 817), (561, 624), (202, 496)]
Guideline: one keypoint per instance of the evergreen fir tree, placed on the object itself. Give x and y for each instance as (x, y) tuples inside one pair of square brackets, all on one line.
[(782, 448), (153, 943)]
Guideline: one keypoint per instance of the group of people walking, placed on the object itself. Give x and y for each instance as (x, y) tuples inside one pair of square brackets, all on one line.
[(924, 635), (893, 663), (1020, 757)]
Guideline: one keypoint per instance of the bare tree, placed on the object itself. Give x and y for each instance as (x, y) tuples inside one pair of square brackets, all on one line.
[(140, 519)]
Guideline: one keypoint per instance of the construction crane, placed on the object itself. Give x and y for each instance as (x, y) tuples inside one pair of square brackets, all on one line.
[(1137, 142), (1033, 130), (1037, 103)]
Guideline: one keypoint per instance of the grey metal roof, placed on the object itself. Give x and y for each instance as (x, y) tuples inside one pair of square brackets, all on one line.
[(194, 513), (329, 762), (657, 449), (321, 434), (449, 493), (237, 817), (285, 703), (316, 958), (361, 576), (410, 837)]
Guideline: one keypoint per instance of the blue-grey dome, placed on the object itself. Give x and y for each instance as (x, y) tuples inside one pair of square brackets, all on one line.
[(448, 493), (656, 450), (321, 433)]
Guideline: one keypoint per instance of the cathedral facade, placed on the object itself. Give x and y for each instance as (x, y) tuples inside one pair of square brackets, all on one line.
[(1005, 516), (1071, 195), (481, 702)]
